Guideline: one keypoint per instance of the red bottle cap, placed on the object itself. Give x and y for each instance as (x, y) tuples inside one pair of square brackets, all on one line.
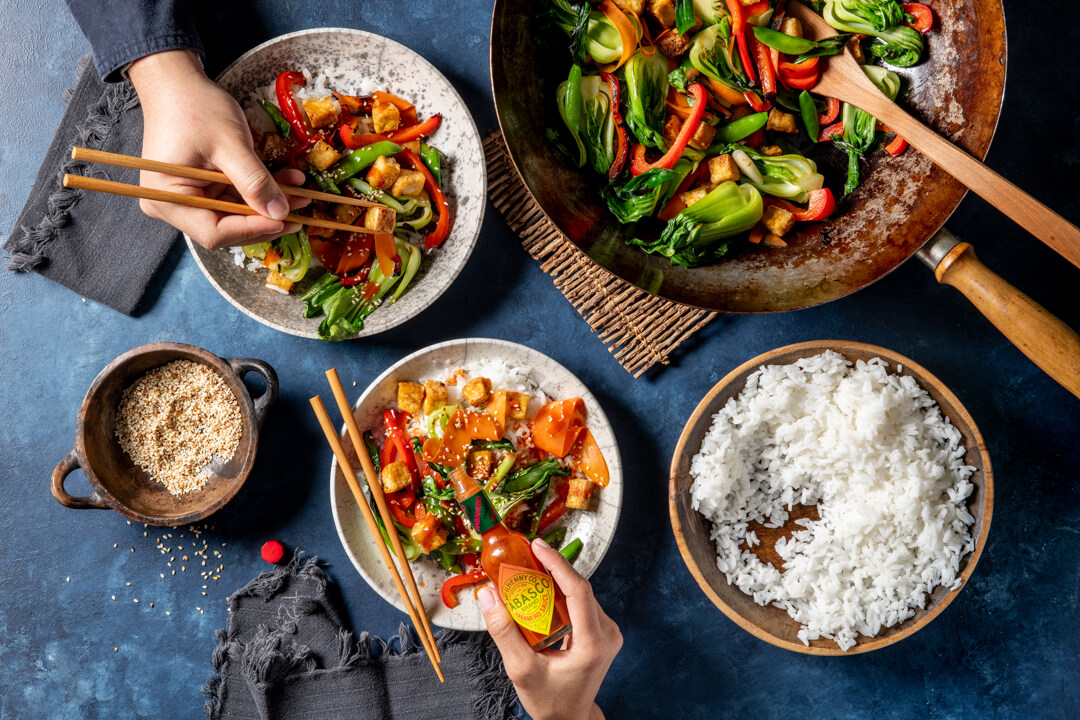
[(272, 551)]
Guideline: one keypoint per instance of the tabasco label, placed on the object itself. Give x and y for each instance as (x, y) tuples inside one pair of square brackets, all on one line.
[(480, 512), (529, 595)]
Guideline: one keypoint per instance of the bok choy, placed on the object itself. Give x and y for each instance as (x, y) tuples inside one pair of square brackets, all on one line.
[(585, 106), (860, 127), (791, 177), (896, 43), (646, 90), (592, 35)]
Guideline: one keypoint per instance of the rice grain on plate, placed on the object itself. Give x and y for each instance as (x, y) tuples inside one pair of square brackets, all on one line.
[(885, 469)]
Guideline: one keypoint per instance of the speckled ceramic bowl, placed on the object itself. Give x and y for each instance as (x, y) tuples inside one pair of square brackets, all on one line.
[(390, 66), (595, 528)]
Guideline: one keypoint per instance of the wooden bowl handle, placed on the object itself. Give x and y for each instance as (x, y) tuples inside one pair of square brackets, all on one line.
[(65, 468), (242, 366), (1046, 340)]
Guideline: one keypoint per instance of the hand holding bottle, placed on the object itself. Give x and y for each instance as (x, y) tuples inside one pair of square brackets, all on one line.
[(557, 684)]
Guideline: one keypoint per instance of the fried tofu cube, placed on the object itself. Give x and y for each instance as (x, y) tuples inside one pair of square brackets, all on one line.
[(702, 137), (740, 111), (690, 197), (856, 49), (517, 405), (723, 168), (380, 219), (347, 213), (429, 533), (273, 147), (395, 476), (410, 397), (630, 6), (580, 495), (771, 150), (479, 464), (385, 116), (322, 156), (383, 172), (777, 220), (663, 11), (408, 184), (320, 231), (321, 112), (434, 396), (413, 145), (277, 280), (781, 122), (671, 128), (792, 26), (477, 391), (673, 45)]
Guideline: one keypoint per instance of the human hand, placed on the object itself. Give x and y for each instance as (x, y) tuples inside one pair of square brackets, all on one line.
[(557, 684), (189, 120)]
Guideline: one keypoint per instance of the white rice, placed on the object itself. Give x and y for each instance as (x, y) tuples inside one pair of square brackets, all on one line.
[(885, 469)]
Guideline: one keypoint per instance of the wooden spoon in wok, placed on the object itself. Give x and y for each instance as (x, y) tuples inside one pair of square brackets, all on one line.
[(842, 78)]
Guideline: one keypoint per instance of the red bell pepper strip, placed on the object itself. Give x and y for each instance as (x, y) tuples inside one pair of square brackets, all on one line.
[(442, 227), (802, 69), (394, 424), (638, 164), (555, 509), (738, 32), (764, 66), (623, 148), (832, 111), (821, 205), (756, 139), (923, 15), (756, 9), (455, 583), (798, 82), (406, 519), (290, 108), (389, 452), (404, 135), (828, 133), (756, 103), (897, 146)]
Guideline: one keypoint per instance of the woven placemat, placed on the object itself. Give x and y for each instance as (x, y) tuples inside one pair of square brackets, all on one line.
[(640, 329)]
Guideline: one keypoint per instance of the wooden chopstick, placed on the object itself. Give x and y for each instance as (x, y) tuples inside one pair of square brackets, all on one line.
[(138, 163), (369, 518), (138, 191), (380, 499)]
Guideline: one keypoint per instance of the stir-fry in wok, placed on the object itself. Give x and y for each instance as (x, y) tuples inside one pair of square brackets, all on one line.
[(364, 146), (695, 110)]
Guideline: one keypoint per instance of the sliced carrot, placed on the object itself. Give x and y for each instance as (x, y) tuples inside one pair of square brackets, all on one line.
[(558, 425), (773, 241), (627, 34), (589, 458), (496, 408), (757, 233), (728, 95), (385, 252), (463, 427)]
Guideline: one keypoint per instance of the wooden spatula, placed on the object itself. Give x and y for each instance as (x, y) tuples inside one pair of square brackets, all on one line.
[(842, 78)]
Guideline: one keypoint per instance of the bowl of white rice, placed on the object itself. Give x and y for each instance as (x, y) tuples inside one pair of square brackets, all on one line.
[(831, 497)]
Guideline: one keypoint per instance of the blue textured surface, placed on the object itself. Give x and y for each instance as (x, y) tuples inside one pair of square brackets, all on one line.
[(1005, 648)]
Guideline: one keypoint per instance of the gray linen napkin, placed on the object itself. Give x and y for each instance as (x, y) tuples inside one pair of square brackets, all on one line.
[(101, 246), (287, 654)]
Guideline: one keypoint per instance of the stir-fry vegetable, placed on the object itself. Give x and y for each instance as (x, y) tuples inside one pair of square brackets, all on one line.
[(896, 43)]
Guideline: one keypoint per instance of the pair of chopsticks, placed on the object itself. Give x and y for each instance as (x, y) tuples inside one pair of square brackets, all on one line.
[(414, 604), (81, 182)]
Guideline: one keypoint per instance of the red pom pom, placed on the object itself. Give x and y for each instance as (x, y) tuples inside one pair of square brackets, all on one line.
[(272, 551)]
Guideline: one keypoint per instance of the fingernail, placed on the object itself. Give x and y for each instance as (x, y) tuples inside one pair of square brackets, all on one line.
[(278, 207), (540, 541), (486, 598)]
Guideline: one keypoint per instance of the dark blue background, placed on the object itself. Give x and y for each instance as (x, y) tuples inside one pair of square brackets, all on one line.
[(1006, 648)]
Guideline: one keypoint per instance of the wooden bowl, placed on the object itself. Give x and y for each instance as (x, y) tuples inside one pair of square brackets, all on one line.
[(692, 529), (116, 482)]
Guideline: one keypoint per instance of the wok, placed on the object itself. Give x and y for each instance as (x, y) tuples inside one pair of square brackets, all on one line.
[(957, 90)]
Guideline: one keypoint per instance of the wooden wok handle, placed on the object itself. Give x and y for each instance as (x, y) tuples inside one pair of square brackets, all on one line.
[(1048, 342)]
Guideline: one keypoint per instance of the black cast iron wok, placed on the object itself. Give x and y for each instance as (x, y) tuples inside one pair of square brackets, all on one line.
[(957, 90)]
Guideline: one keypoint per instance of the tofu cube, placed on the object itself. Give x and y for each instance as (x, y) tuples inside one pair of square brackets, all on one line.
[(792, 26), (380, 219), (395, 476), (273, 147), (322, 156), (771, 150), (477, 391), (663, 11), (434, 396), (409, 184), (703, 137), (383, 172), (781, 122), (410, 397), (671, 128), (690, 197), (673, 45), (723, 168), (580, 495), (777, 220), (630, 6), (740, 111), (413, 145), (479, 464), (385, 116), (429, 533), (321, 112), (320, 231), (347, 213), (277, 280), (517, 405)]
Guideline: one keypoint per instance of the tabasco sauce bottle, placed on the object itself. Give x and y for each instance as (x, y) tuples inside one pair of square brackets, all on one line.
[(535, 603)]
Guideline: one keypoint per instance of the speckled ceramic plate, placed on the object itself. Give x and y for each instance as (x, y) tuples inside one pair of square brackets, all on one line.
[(390, 66), (595, 528)]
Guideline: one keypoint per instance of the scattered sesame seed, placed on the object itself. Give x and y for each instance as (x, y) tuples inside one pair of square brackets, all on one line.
[(136, 599), (151, 604), (69, 578), (115, 649), (115, 544), (128, 584), (113, 597), (132, 549), (162, 575), (168, 613)]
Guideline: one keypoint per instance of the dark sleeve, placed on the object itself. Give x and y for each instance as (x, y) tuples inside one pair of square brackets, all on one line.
[(122, 31)]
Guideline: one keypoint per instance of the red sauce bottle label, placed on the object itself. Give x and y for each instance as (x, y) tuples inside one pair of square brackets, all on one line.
[(480, 512), (529, 595)]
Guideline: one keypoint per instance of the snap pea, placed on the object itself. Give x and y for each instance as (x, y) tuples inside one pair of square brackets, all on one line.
[(373, 193), (324, 182), (738, 129), (556, 537), (572, 550), (282, 125), (358, 160), (787, 44), (433, 160), (809, 114)]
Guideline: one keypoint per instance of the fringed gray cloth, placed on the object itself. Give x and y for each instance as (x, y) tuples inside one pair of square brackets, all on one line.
[(287, 654), (101, 246)]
